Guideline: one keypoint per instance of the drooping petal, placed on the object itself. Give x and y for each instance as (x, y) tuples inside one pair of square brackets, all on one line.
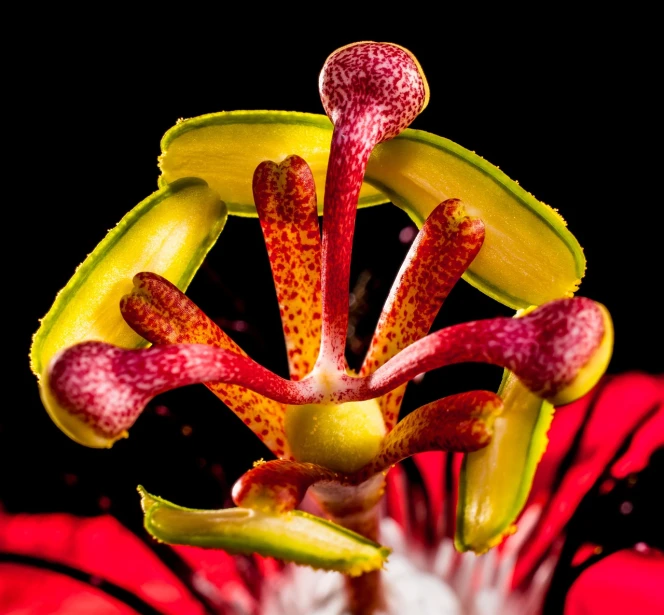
[(620, 408), (159, 312), (624, 582), (458, 423), (442, 251), (96, 391), (294, 537), (529, 256), (286, 203), (371, 92), (558, 350)]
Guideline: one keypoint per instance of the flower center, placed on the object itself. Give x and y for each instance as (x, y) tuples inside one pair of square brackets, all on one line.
[(341, 437)]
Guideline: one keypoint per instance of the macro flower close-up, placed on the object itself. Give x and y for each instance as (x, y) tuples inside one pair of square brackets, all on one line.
[(348, 474)]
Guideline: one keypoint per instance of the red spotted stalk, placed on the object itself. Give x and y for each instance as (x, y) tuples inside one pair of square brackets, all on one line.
[(332, 431)]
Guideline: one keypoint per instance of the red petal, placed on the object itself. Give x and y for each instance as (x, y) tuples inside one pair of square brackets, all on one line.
[(624, 582), (99, 546), (620, 407)]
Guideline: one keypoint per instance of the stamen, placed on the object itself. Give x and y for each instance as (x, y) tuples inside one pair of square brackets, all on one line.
[(285, 197), (371, 92), (444, 248), (159, 312)]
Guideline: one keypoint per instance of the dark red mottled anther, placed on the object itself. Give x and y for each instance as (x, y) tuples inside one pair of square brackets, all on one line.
[(285, 197), (444, 248), (162, 314), (371, 92)]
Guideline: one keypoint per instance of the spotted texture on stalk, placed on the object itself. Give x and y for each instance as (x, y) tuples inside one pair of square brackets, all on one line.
[(443, 249), (548, 349), (285, 197), (159, 312), (371, 92), (459, 423)]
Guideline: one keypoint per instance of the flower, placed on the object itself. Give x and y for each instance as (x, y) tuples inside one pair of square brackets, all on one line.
[(333, 431), (97, 565)]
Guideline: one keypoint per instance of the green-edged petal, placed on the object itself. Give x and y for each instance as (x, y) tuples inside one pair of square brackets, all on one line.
[(495, 481), (529, 257), (168, 233), (294, 536)]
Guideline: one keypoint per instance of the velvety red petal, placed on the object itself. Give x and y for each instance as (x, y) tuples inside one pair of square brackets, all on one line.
[(618, 410), (624, 582), (29, 591), (99, 546)]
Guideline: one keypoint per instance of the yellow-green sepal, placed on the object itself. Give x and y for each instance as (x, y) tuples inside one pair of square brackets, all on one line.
[(295, 536), (168, 233), (528, 257), (495, 481)]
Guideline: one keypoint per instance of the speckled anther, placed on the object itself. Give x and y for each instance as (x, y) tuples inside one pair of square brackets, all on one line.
[(442, 251), (371, 92), (159, 312), (285, 197)]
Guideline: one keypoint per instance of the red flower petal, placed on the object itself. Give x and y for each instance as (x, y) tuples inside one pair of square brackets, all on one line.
[(98, 546), (624, 582)]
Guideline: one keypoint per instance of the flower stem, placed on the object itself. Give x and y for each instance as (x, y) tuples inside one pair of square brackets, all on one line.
[(357, 508)]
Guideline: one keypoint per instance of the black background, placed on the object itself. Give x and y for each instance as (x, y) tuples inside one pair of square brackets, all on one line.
[(566, 108)]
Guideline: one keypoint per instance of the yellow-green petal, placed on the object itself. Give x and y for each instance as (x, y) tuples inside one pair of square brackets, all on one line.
[(295, 536), (495, 481), (529, 257), (168, 233)]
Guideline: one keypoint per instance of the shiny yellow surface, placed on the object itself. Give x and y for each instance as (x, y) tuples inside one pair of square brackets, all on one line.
[(529, 257), (168, 233), (495, 481), (341, 437)]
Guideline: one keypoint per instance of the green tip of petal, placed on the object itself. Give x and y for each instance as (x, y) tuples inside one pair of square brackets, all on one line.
[(295, 537)]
